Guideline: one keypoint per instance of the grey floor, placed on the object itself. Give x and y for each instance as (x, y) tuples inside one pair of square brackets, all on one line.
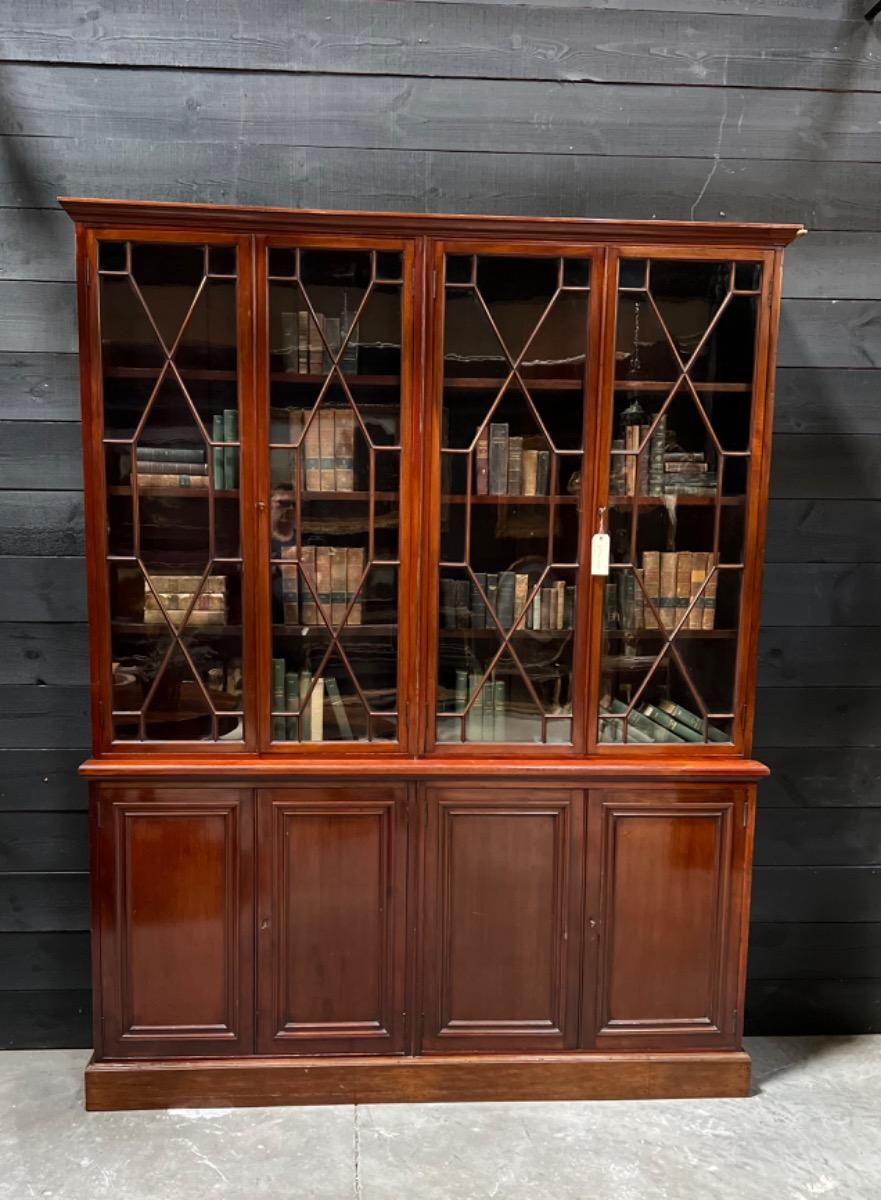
[(812, 1129)]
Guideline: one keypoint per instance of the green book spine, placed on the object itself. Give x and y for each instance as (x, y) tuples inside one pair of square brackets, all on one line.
[(474, 720), (499, 703), (640, 723), (461, 690), (291, 703), (169, 454), (217, 454), (231, 453), (305, 710), (692, 721), (332, 689), (663, 718), (278, 723)]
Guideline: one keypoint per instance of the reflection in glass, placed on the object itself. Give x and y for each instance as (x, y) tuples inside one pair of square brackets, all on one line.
[(169, 370), (335, 447), (512, 443), (685, 348)]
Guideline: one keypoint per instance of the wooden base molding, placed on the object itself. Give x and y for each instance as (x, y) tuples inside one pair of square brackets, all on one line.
[(208, 1083)]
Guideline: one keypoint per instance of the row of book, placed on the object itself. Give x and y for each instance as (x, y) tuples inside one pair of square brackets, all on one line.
[(175, 592), (663, 722), (291, 695), (672, 581), (662, 470), (328, 447), (485, 721), (463, 607), (304, 352), (510, 466), (169, 467), (334, 573)]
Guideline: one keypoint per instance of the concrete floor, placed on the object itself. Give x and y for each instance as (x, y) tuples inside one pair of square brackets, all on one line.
[(812, 1129)]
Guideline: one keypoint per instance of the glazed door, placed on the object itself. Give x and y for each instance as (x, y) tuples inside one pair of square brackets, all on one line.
[(510, 436), (502, 893), (338, 470), (332, 898), (666, 907), (175, 910)]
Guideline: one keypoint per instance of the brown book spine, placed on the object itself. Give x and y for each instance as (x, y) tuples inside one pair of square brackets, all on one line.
[(309, 610), (559, 603), (296, 417), (354, 571), (521, 592), (515, 466), (667, 590), (316, 345), (481, 463), (683, 583), (338, 582), (708, 617), (290, 586), (530, 471), (312, 455), (327, 477), (322, 578), (547, 605), (344, 449), (651, 573), (698, 575)]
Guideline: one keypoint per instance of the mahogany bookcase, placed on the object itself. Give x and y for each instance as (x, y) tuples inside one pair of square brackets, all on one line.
[(392, 796)]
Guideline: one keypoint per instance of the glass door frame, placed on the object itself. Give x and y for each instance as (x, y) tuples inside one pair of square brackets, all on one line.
[(538, 247), (410, 483), (95, 484), (755, 502)]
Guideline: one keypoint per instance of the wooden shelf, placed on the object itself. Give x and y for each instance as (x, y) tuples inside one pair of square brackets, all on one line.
[(199, 373), (683, 633), (177, 492), (665, 385), (539, 635), (366, 381), (510, 499), (488, 383), (320, 627), (658, 501), (140, 628)]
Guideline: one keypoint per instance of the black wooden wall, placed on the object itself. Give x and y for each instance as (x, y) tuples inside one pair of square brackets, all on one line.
[(621, 108)]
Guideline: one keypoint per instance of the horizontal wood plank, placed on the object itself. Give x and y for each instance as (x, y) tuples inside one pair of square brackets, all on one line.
[(794, 1007), (382, 37), (818, 716), (40, 841), (833, 266), (39, 386), (804, 9), (782, 894), (830, 333), (37, 244), (819, 194), (826, 466), (45, 523), (42, 780), (827, 400), (38, 653), (44, 717), (821, 594), (44, 961), (43, 589), (833, 837), (804, 657), (825, 950), (37, 316), (823, 531), (40, 454), (45, 1020), (425, 113), (820, 776), (44, 903)]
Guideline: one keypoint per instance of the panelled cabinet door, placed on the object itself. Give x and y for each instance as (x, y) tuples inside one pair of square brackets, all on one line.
[(175, 888), (332, 895), (664, 918), (501, 940)]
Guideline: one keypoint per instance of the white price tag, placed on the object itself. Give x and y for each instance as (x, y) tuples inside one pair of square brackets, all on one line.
[(599, 554)]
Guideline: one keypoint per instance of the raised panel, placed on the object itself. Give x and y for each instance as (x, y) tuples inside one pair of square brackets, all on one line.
[(175, 884), (500, 879), (332, 919), (665, 915)]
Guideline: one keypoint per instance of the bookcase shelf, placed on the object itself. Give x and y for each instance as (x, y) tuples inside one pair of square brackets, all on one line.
[(692, 501), (665, 385), (475, 499), (177, 493)]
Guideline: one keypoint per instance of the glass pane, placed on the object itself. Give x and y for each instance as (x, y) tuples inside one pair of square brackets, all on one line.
[(679, 470), (512, 444), (169, 368), (335, 465)]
